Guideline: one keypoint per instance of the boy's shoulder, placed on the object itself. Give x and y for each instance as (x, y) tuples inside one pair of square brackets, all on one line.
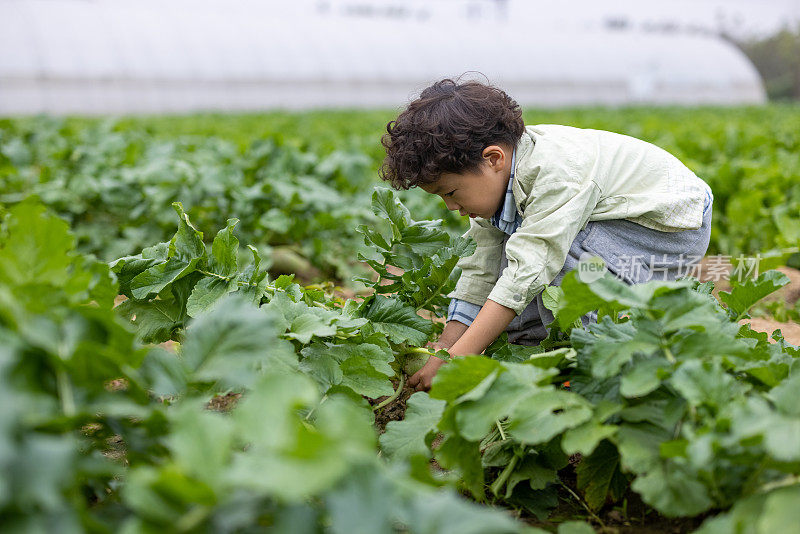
[(552, 150), (561, 136), (571, 153)]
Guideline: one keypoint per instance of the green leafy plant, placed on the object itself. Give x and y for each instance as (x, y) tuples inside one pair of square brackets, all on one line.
[(100, 433), (669, 397), (300, 182), (673, 400), (358, 346)]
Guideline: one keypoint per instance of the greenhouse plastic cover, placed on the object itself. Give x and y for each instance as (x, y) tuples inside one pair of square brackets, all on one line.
[(70, 56)]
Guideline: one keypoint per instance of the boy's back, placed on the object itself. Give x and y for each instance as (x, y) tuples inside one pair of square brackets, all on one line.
[(637, 180)]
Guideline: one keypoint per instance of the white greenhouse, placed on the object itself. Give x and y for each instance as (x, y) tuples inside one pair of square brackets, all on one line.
[(115, 56)]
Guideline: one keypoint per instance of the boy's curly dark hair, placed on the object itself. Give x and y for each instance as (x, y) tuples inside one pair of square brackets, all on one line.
[(446, 130)]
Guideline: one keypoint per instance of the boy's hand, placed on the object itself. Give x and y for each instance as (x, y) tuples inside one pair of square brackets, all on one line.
[(460, 340), (422, 379)]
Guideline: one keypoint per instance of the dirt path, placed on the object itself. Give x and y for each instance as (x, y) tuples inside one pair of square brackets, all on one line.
[(713, 269), (790, 331)]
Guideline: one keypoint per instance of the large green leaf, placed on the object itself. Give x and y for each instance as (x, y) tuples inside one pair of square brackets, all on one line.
[(531, 470), (457, 453), (608, 354), (780, 512), (225, 250), (673, 491), (639, 446), (37, 248), (385, 204), (309, 325), (156, 278), (462, 375), (206, 293), (599, 476), (155, 321), (407, 437), (201, 442), (378, 357), (555, 411), (706, 383), (301, 459), (187, 243), (363, 504), (780, 433), (360, 376), (445, 513), (643, 377), (477, 414), (229, 345), (398, 321), (584, 438), (743, 295)]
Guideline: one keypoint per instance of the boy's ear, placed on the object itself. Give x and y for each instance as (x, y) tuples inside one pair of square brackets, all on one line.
[(494, 155)]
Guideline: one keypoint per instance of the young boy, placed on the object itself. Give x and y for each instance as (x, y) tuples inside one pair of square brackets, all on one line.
[(539, 198)]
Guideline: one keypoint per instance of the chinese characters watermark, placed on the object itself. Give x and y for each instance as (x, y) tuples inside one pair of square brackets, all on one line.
[(643, 268)]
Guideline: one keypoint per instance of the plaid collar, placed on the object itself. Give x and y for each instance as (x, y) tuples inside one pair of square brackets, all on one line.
[(507, 218)]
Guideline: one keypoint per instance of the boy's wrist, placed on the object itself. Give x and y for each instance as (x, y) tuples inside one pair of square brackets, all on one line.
[(433, 361)]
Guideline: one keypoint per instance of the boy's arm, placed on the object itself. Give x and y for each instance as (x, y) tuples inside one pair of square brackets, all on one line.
[(453, 330), (492, 320), (488, 325), (479, 272)]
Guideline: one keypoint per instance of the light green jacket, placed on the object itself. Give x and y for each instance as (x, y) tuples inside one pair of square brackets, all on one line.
[(565, 177)]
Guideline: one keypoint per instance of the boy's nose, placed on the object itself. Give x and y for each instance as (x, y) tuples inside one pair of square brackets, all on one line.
[(452, 206)]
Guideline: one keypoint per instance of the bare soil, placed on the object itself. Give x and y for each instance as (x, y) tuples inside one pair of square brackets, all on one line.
[(223, 403), (394, 411), (714, 269), (711, 268), (790, 331)]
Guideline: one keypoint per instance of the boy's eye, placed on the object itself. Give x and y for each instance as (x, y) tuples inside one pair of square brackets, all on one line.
[(450, 194)]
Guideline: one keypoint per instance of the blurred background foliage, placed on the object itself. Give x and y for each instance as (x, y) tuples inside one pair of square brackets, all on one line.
[(777, 58), (300, 182)]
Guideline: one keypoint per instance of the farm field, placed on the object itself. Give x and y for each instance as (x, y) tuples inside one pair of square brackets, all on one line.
[(207, 322)]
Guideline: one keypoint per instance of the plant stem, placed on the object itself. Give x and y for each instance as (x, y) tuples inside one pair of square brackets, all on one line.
[(65, 393), (433, 294), (585, 506), (394, 395), (192, 519), (214, 275), (668, 353), (786, 481), (750, 486), (500, 428), (248, 284), (228, 279), (323, 399), (498, 484), (418, 350)]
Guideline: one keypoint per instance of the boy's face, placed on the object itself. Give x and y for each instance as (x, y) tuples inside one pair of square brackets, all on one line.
[(478, 193)]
